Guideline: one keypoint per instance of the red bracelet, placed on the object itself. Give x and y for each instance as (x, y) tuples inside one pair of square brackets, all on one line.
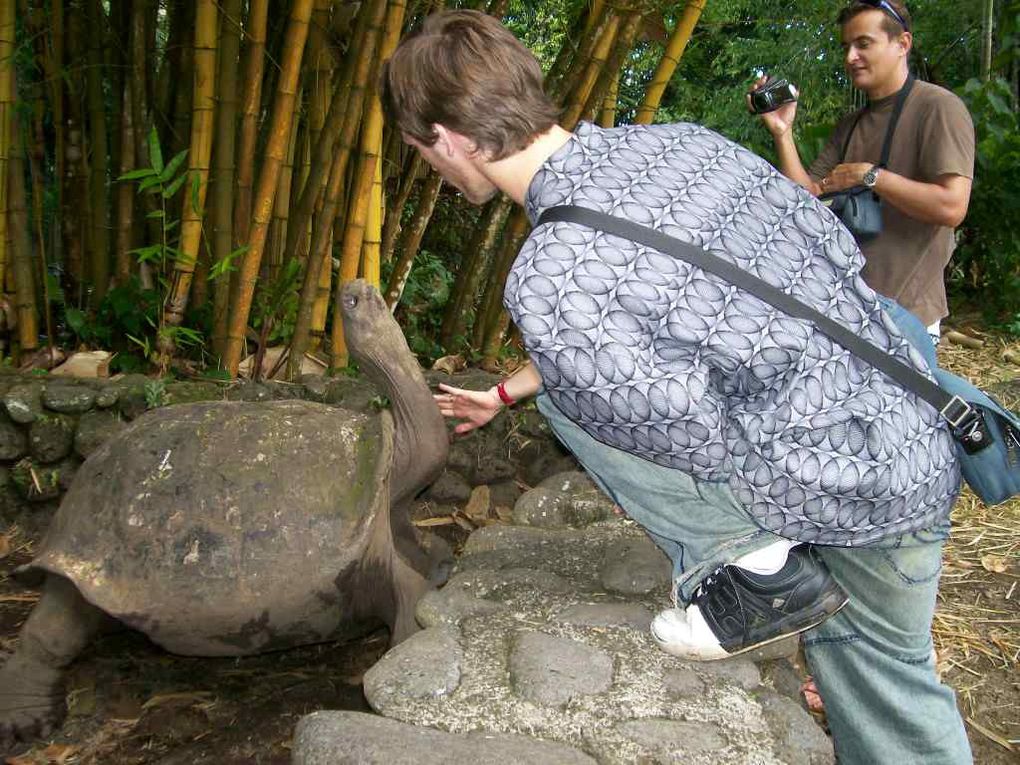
[(503, 395)]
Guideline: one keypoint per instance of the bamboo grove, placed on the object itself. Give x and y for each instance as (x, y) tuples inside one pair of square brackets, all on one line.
[(227, 157)]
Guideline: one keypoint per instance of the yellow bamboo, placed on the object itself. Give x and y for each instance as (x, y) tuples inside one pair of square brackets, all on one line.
[(223, 172), (371, 147), (251, 102), (370, 250), (202, 123), (310, 323), (99, 192), (6, 115), (276, 147), (607, 116), (276, 243), (670, 59), (21, 245), (622, 45), (598, 60)]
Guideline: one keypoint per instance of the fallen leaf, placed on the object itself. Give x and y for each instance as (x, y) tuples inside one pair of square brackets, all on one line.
[(26, 760), (443, 520), (994, 563), (505, 514), (5, 545), (450, 364), (58, 753), (479, 503), (167, 698)]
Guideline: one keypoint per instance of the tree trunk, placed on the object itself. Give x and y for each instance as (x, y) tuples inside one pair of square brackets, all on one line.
[(76, 212), (276, 147), (670, 59), (312, 305), (99, 255), (410, 238), (251, 100), (599, 20), (203, 113), (223, 172), (475, 265), (987, 39)]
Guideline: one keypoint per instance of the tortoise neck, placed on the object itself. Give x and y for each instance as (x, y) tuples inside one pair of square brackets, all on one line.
[(420, 440)]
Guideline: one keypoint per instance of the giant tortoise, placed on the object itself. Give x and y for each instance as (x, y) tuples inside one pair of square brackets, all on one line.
[(229, 528)]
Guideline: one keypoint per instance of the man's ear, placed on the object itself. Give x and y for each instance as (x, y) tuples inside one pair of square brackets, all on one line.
[(451, 142), (906, 42)]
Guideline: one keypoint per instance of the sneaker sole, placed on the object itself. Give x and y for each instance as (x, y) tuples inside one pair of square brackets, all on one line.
[(680, 652)]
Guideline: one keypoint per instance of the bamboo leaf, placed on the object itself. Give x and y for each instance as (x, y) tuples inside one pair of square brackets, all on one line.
[(155, 152), (150, 184), (156, 214), (196, 184), (170, 190), (172, 166), (134, 175)]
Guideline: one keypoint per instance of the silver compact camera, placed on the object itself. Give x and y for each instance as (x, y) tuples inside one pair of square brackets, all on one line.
[(773, 94)]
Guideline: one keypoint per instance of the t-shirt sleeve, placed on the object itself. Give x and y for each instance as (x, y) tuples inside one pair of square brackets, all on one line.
[(947, 139), (831, 154)]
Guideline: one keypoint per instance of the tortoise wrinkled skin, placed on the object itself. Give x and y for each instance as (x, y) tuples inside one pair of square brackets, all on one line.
[(230, 528)]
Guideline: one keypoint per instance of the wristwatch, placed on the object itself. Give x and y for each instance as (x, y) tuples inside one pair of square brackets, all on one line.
[(871, 177)]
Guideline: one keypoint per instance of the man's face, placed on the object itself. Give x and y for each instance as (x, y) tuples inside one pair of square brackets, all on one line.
[(449, 158), (871, 58)]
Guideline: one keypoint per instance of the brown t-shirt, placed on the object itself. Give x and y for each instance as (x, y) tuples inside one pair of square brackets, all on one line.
[(935, 136)]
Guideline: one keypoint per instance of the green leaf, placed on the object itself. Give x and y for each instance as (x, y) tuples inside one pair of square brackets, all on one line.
[(170, 190), (77, 321), (134, 175), (153, 252), (156, 214), (172, 165), (196, 184), (155, 152), (150, 184)]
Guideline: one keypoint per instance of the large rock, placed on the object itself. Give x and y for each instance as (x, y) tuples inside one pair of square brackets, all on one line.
[(342, 738), (543, 647)]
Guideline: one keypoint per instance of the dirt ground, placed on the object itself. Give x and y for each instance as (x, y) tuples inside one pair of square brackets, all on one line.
[(131, 703)]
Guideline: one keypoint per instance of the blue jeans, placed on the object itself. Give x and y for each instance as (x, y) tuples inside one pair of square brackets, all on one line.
[(873, 660)]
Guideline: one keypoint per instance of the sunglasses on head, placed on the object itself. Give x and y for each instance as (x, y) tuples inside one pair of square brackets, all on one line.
[(882, 5)]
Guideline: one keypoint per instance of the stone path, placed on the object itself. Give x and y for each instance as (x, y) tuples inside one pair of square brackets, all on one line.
[(542, 632)]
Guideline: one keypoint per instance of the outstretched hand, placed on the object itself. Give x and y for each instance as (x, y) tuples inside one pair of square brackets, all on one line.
[(475, 407)]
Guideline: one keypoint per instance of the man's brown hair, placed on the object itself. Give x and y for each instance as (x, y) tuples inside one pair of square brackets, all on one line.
[(466, 71), (890, 25)]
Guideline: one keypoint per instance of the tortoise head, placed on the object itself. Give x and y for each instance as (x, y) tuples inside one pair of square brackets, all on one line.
[(368, 323)]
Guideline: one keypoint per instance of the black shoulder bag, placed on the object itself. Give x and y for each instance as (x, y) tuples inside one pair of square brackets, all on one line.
[(987, 435), (859, 207)]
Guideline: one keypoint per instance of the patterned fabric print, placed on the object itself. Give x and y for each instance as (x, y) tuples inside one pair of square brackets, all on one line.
[(658, 358)]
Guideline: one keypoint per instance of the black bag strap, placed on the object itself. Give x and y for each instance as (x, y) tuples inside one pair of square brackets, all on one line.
[(901, 99), (957, 412)]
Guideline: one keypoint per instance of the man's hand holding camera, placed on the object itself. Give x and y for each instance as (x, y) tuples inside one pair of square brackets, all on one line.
[(778, 111)]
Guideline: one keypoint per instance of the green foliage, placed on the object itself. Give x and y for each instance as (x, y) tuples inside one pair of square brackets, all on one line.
[(420, 311), (987, 262), (155, 394), (276, 305)]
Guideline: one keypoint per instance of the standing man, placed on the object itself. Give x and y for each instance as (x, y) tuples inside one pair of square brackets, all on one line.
[(925, 189), (777, 471)]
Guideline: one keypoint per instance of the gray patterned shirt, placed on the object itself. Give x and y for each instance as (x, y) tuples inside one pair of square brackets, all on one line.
[(658, 358)]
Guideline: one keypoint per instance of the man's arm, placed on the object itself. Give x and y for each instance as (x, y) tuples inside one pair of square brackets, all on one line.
[(478, 407), (943, 201)]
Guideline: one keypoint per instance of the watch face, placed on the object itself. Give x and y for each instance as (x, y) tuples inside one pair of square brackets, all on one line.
[(870, 177)]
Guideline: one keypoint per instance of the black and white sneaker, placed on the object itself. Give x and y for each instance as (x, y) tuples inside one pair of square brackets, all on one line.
[(735, 610)]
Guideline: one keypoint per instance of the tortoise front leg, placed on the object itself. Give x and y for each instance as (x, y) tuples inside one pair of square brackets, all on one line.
[(31, 681)]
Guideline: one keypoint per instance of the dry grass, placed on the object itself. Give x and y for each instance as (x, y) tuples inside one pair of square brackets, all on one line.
[(977, 623)]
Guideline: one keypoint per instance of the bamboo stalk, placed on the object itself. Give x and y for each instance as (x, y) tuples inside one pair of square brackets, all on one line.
[(611, 68), (315, 290), (276, 146), (607, 115), (599, 56), (595, 27), (251, 100), (99, 255), (476, 264), (24, 278), (371, 147), (125, 192), (370, 248), (491, 323), (76, 212), (670, 59), (395, 210), (7, 18), (277, 239), (223, 170), (203, 109), (410, 238)]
